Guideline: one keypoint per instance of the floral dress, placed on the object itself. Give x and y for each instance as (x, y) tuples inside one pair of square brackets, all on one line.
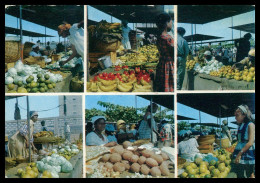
[(165, 68)]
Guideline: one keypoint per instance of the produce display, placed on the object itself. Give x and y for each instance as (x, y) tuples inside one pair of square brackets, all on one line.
[(43, 134), (68, 65), (130, 81), (127, 158), (105, 27), (216, 165), (30, 78)]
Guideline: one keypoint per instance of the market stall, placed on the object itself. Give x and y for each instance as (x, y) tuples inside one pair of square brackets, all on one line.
[(214, 159), (45, 72), (139, 159), (106, 51)]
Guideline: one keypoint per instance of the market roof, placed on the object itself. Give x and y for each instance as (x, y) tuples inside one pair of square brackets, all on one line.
[(200, 37), (133, 13), (48, 15), (180, 117), (217, 41), (211, 103), (11, 30), (11, 97), (163, 100), (201, 14), (150, 30), (246, 27), (210, 124)]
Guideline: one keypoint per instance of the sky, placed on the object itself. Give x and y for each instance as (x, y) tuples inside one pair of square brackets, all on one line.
[(212, 28), (36, 103)]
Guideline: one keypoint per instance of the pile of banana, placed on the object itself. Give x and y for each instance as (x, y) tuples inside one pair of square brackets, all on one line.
[(43, 134), (118, 86), (105, 27), (147, 53)]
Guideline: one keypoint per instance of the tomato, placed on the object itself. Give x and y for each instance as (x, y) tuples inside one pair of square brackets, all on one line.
[(143, 71), (110, 75), (146, 75), (100, 75), (104, 74), (126, 73), (118, 74), (131, 72), (137, 69), (147, 79), (95, 78), (106, 78)]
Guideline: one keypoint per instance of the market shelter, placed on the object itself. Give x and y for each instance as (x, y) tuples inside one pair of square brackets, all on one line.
[(245, 27)]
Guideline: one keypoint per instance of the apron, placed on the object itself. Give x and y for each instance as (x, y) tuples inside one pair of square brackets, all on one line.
[(17, 145)]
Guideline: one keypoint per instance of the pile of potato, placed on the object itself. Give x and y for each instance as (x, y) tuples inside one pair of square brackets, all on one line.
[(134, 160)]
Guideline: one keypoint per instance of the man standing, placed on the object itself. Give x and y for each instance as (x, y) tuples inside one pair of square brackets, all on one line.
[(183, 51)]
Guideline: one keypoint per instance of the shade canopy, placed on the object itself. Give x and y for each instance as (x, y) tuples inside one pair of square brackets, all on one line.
[(133, 13), (209, 124), (11, 30), (47, 15), (217, 41), (180, 117), (202, 14), (218, 104), (163, 100), (200, 37), (246, 28)]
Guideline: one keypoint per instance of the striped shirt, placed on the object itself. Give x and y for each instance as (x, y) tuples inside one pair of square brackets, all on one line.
[(24, 131)]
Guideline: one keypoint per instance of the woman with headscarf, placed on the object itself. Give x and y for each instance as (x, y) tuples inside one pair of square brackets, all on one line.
[(244, 152), (75, 35), (147, 125), (18, 144), (165, 44), (97, 138), (110, 132)]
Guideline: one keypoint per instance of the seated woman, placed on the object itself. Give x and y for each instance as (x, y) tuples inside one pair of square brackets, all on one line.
[(96, 138), (110, 132), (35, 51)]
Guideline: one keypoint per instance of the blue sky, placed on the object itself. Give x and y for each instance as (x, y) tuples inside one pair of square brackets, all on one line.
[(37, 103)]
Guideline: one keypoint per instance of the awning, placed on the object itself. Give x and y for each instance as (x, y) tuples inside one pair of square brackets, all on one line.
[(179, 117), (209, 124), (163, 100), (48, 15), (246, 28), (133, 13), (200, 37), (202, 14), (218, 104), (11, 30)]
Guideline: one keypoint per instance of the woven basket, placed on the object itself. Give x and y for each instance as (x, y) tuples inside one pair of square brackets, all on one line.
[(107, 47), (224, 142), (76, 86), (27, 49), (35, 60), (12, 51), (206, 141)]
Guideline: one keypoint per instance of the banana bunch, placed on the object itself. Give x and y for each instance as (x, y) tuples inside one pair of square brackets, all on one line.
[(142, 88), (114, 26), (107, 82), (92, 87), (104, 88), (124, 87), (190, 64)]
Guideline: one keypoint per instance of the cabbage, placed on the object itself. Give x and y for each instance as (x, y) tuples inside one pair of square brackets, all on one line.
[(40, 166), (57, 168), (17, 79), (61, 160), (27, 70), (9, 80), (12, 72), (75, 151), (19, 66), (53, 162), (66, 167), (53, 79)]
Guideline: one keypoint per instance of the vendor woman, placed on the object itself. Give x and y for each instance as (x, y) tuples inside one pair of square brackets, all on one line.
[(244, 152), (97, 138), (19, 143), (165, 68), (75, 35)]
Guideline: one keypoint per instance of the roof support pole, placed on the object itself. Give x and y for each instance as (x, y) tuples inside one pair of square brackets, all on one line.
[(45, 36), (232, 29), (200, 120), (220, 125), (191, 36), (21, 32), (152, 127), (195, 33), (28, 125)]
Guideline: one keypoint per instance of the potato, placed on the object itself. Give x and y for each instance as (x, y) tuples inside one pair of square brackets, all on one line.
[(135, 167), (115, 157), (109, 165), (138, 153), (118, 149), (158, 158), (134, 158), (141, 160), (147, 153), (164, 156), (125, 150), (155, 171), (106, 157), (164, 169), (151, 162), (145, 169), (126, 144), (127, 155), (126, 163), (119, 167)]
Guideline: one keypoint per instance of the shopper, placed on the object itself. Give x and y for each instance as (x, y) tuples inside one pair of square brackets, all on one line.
[(110, 132), (44, 128), (97, 138), (165, 43), (75, 35), (35, 51), (183, 51), (145, 127), (243, 47), (125, 35), (226, 132), (18, 144), (165, 134), (244, 152)]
